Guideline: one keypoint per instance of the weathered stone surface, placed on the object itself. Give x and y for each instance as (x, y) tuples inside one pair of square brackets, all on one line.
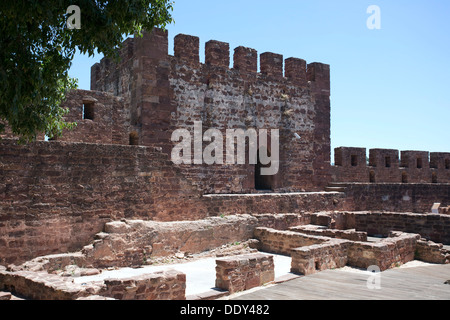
[(432, 252), (388, 253), (333, 233), (314, 258), (244, 272), (44, 286), (385, 166), (281, 241), (167, 285)]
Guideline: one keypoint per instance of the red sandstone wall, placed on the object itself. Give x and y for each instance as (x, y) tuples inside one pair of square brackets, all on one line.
[(110, 123), (385, 166), (55, 196), (239, 273), (430, 226), (396, 197), (224, 98), (166, 93)]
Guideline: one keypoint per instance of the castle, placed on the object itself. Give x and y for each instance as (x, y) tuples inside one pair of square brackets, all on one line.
[(56, 195)]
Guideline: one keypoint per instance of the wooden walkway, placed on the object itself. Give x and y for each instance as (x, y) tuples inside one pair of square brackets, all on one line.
[(415, 283)]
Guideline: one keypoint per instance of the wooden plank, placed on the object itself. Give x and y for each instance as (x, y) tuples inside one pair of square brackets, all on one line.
[(396, 284)]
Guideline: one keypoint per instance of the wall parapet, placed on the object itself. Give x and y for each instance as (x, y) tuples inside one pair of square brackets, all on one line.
[(217, 54), (390, 166)]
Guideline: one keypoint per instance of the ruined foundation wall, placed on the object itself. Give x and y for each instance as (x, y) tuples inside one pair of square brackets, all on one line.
[(244, 272), (434, 227), (163, 285), (385, 254), (134, 242), (282, 241), (317, 257)]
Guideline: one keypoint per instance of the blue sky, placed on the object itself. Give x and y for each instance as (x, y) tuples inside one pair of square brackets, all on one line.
[(389, 87)]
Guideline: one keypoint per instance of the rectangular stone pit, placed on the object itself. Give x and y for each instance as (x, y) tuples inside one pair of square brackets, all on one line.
[(386, 254), (282, 242), (318, 257)]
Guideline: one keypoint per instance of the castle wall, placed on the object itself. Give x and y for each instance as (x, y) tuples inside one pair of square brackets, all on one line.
[(230, 98), (385, 166), (171, 92), (100, 117), (55, 196)]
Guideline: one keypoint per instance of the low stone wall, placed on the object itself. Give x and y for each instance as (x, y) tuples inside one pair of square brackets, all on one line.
[(350, 234), (282, 242), (396, 197), (128, 243), (167, 285), (133, 242), (311, 254), (318, 257), (434, 227), (275, 202), (385, 254), (44, 286), (429, 251), (244, 272)]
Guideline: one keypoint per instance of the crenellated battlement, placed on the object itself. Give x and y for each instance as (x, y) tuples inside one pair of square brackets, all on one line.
[(245, 60), (272, 66), (390, 166)]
